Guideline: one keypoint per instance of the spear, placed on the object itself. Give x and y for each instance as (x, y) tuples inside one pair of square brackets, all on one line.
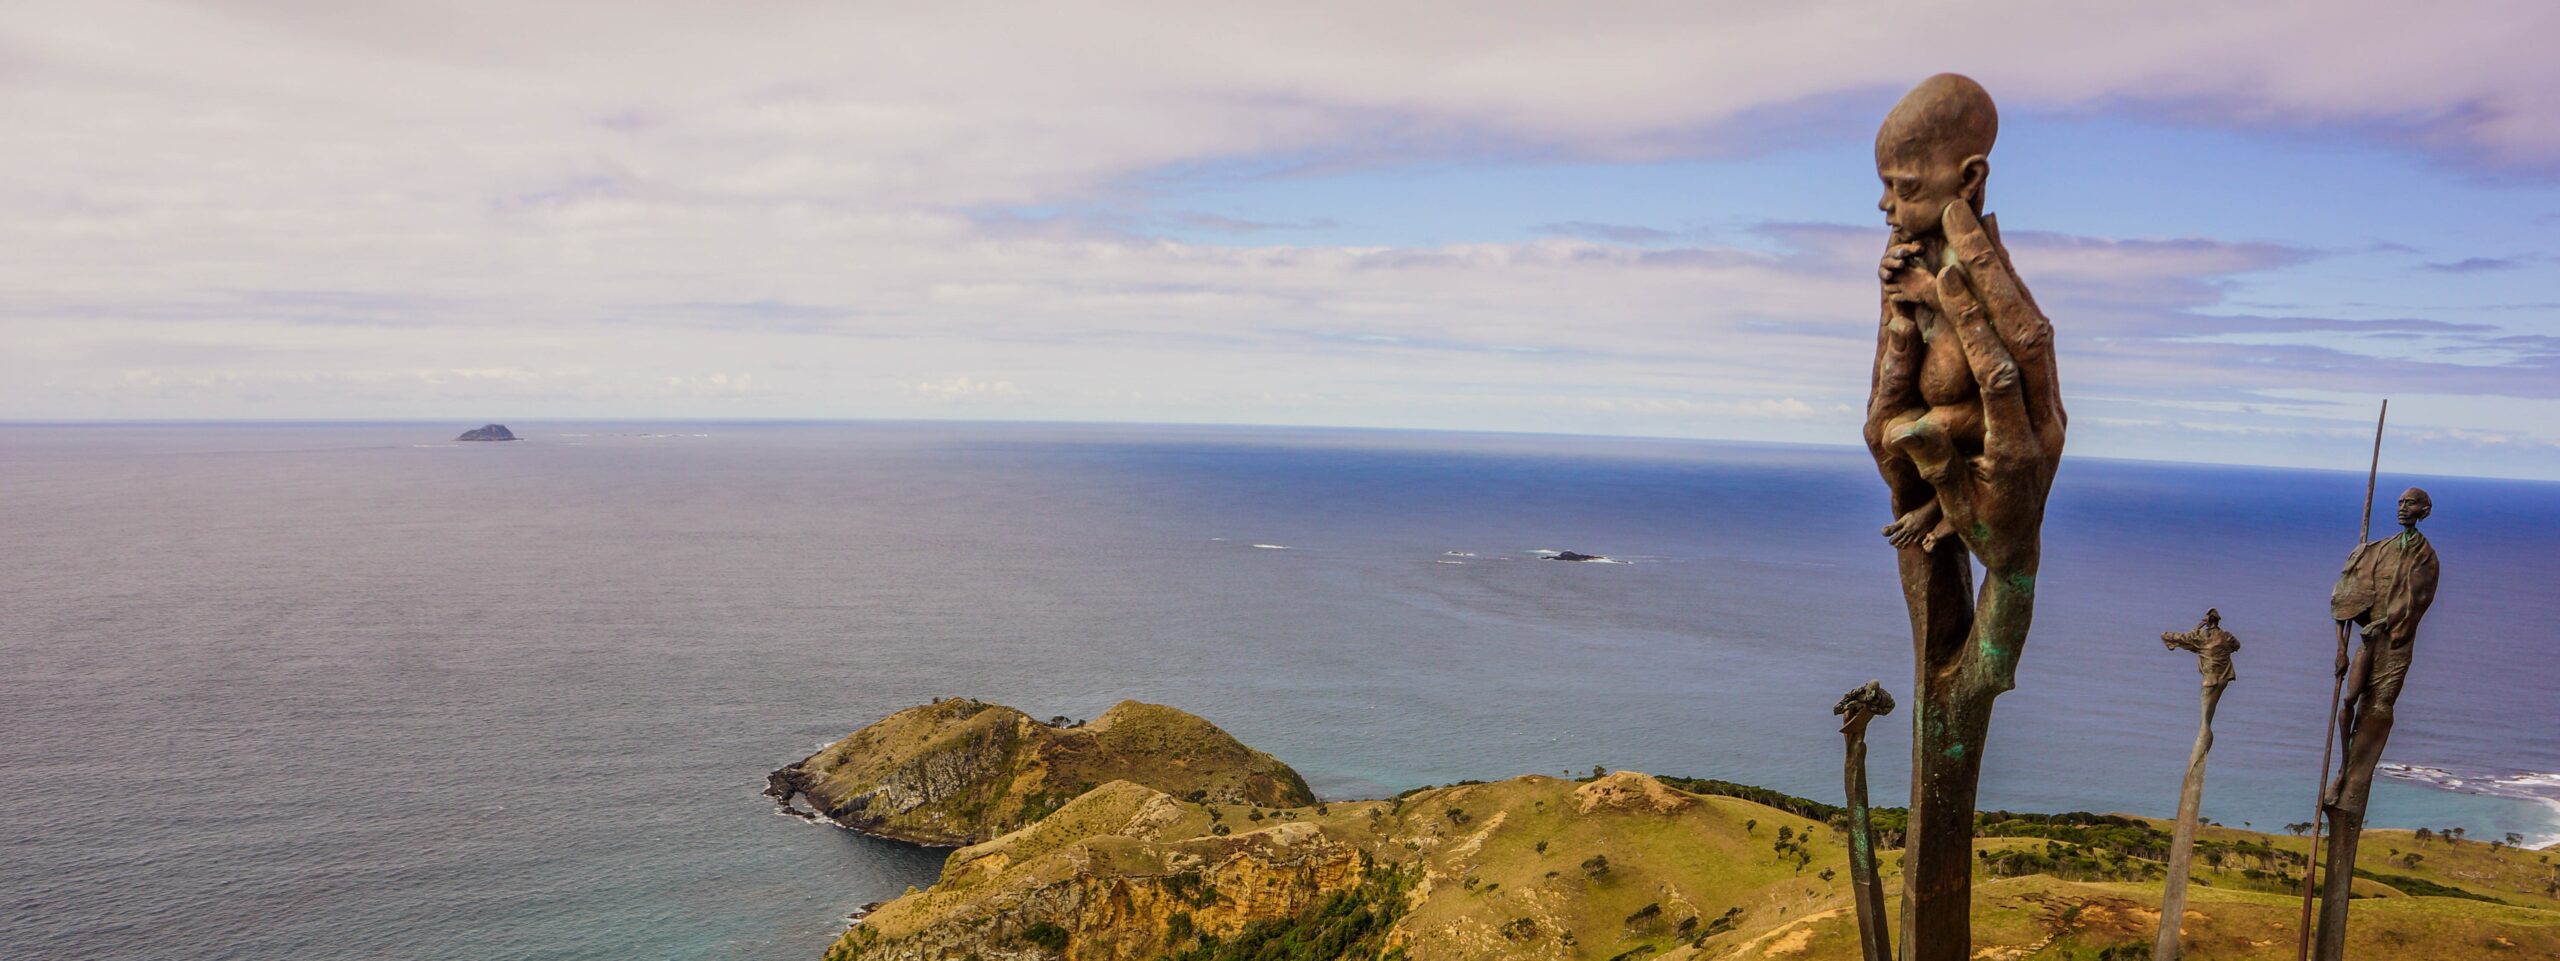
[(2329, 737)]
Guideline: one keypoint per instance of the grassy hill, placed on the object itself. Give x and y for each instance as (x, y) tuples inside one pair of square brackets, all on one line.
[(959, 771), (1629, 867)]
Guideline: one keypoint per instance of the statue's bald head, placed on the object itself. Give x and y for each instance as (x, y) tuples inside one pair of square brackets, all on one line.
[(1933, 151), (2415, 505), (1946, 118)]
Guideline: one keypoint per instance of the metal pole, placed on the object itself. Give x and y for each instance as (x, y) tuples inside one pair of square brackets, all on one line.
[(2329, 736)]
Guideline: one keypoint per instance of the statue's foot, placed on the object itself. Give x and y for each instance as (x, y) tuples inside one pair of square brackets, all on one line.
[(1936, 535), (1908, 530)]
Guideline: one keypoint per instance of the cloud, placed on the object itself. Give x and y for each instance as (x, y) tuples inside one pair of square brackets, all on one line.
[(1238, 225), (962, 388), (1610, 233), (2473, 265), (295, 208)]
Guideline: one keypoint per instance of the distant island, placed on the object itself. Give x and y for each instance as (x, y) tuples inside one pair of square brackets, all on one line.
[(1151, 834), (490, 432)]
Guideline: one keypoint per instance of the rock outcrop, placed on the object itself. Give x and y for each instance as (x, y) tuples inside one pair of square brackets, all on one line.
[(962, 771), (489, 432), (1124, 871)]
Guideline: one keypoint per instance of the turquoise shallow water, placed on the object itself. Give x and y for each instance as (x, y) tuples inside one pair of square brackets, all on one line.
[(352, 691)]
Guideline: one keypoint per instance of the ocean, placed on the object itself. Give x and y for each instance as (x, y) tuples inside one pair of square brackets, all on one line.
[(354, 691)]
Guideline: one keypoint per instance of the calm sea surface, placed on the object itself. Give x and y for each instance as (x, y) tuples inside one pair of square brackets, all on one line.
[(353, 692)]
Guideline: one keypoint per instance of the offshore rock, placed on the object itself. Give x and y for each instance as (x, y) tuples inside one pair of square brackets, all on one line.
[(489, 432)]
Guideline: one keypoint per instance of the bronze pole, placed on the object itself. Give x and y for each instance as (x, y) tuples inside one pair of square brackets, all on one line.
[(2337, 690)]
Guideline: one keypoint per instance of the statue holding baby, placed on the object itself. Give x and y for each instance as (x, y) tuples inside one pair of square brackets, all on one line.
[(1965, 421)]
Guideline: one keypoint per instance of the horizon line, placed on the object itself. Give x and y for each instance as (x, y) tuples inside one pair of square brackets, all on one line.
[(1348, 428)]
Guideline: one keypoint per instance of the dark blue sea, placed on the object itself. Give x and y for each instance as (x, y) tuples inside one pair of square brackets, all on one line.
[(351, 691)]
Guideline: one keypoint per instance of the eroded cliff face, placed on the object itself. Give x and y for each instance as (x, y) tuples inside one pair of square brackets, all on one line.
[(961, 771), (1123, 872)]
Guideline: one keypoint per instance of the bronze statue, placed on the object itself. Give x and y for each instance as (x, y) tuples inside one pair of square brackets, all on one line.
[(2384, 590), (1856, 708), (1965, 421), (2213, 648)]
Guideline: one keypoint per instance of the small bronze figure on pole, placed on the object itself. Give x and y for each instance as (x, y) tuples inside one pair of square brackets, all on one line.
[(2213, 648), (2385, 590), (1856, 708)]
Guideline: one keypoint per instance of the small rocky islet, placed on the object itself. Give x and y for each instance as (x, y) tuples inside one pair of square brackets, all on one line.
[(489, 432), (1149, 833)]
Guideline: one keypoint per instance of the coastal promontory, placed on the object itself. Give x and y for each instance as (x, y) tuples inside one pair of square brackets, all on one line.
[(1214, 852), (960, 771)]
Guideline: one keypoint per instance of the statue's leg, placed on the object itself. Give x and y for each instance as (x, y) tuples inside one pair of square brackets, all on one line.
[(1915, 502), (2372, 727), (1963, 424), (2350, 718), (2355, 785)]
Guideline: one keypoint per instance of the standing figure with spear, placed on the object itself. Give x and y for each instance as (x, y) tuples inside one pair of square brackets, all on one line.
[(2384, 591)]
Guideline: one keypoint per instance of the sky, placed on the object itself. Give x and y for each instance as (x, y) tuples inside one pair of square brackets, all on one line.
[(2248, 222)]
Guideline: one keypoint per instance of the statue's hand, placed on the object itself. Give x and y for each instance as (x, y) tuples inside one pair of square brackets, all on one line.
[(2013, 314), (1906, 278)]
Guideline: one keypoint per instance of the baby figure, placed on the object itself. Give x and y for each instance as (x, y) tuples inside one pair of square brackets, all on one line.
[(1932, 153)]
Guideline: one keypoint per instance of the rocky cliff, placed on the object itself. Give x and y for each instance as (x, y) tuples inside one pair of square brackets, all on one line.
[(961, 771), (1124, 871)]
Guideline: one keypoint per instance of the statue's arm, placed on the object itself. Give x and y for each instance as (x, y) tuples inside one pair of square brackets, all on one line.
[(1895, 381), (2351, 598)]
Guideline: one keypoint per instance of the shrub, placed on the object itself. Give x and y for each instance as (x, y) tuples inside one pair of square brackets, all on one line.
[(1046, 935)]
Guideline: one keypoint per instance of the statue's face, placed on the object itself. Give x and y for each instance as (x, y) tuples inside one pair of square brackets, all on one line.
[(1918, 187), (2414, 506)]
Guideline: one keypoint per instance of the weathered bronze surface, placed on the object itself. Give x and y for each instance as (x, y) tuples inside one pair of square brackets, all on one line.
[(1856, 708), (1965, 420), (2213, 648), (2384, 592)]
